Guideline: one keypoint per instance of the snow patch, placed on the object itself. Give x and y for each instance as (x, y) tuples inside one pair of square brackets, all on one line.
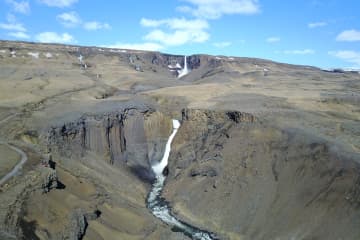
[(34, 54), (2, 51), (48, 55), (118, 50)]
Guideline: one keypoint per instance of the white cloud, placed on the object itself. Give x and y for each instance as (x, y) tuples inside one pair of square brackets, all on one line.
[(11, 18), (299, 52), (52, 37), (178, 37), (273, 39), (222, 44), (317, 24), (94, 25), (178, 31), (58, 3), (175, 23), (349, 36), (69, 19), (20, 7), (212, 9), (147, 46), (13, 26), (348, 56), (16, 28), (20, 35), (72, 19)]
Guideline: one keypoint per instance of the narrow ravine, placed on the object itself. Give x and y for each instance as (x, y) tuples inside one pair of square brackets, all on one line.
[(158, 205)]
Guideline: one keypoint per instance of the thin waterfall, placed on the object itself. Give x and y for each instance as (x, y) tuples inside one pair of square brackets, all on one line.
[(185, 70), (159, 207)]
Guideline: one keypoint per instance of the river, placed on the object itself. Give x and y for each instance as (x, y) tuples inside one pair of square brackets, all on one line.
[(159, 206)]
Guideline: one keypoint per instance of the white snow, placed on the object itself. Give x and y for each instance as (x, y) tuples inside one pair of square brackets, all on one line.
[(118, 50), (80, 59), (230, 58), (48, 55), (34, 54), (2, 51)]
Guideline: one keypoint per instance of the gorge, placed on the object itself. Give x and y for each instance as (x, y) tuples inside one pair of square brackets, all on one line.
[(159, 207), (265, 150)]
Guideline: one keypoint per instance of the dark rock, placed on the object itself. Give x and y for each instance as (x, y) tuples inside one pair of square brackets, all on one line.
[(205, 172), (93, 215), (50, 180), (166, 171), (77, 225), (28, 78), (120, 137)]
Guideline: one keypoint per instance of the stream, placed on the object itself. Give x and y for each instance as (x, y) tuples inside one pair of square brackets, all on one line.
[(159, 207)]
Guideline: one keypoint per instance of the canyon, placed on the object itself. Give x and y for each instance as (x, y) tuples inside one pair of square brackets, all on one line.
[(263, 150)]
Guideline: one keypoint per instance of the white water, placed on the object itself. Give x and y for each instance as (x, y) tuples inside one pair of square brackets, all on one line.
[(158, 207), (185, 70), (159, 168)]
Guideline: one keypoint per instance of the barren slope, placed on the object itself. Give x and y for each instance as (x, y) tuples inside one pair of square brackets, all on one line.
[(265, 151)]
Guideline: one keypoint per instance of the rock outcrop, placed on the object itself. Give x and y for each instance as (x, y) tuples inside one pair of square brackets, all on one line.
[(77, 225), (229, 159), (132, 137), (50, 179)]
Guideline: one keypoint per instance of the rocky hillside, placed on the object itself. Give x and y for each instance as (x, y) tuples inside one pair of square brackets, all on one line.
[(265, 150)]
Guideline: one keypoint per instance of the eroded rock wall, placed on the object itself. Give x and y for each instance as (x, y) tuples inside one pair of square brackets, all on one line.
[(249, 180), (133, 137)]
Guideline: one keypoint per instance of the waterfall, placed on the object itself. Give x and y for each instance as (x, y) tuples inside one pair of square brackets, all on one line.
[(185, 70), (159, 168), (185, 65), (159, 207)]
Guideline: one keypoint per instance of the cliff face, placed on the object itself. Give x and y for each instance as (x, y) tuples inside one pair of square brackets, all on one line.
[(250, 180), (133, 137), (200, 140)]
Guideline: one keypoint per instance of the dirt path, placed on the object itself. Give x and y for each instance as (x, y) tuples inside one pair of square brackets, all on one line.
[(23, 159), (8, 118), (18, 166)]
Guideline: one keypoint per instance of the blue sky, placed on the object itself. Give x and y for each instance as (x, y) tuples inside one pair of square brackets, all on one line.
[(323, 33)]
